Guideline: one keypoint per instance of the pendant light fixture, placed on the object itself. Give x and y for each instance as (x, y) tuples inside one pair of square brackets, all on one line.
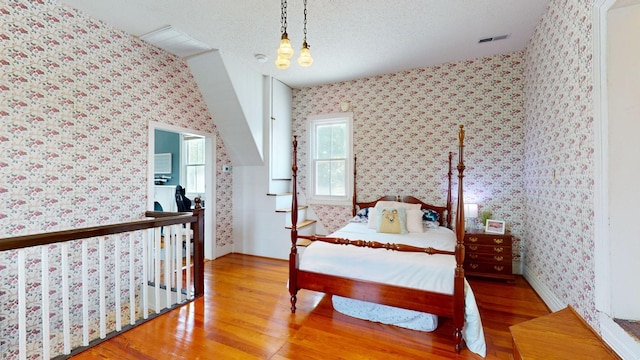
[(285, 51), (305, 58)]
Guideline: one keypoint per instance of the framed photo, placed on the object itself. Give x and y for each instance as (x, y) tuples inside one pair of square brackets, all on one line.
[(494, 227)]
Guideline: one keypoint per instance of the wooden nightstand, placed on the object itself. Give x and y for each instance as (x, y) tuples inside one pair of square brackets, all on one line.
[(488, 255)]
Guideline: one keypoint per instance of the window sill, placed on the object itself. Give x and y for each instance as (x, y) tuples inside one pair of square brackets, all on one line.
[(331, 202)]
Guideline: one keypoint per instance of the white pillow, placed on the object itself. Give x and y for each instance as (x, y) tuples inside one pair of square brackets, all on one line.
[(397, 204), (414, 221), (373, 218)]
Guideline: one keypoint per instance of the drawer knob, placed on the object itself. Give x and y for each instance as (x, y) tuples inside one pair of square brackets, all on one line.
[(473, 266), (498, 241), (498, 268), (498, 249), (473, 256), (473, 247), (498, 258), (473, 239)]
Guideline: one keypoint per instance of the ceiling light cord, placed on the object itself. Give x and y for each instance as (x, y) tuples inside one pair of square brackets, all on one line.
[(305, 58)]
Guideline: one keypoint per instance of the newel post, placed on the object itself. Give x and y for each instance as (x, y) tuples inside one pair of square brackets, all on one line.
[(198, 248)]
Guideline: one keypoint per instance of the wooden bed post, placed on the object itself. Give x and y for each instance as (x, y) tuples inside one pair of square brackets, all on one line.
[(293, 255), (458, 300), (353, 199), (449, 175)]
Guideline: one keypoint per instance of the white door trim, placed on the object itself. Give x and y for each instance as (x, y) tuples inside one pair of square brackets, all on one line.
[(210, 180)]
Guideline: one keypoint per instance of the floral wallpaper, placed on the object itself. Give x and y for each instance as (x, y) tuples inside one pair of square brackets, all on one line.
[(406, 123), (558, 158), (77, 98)]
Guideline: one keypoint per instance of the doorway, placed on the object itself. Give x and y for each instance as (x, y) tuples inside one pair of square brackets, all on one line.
[(205, 191), (616, 80)]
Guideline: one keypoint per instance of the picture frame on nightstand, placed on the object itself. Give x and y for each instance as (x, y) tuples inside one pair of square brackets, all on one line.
[(495, 227)]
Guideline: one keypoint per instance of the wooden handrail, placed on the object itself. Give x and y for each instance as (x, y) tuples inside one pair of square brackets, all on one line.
[(158, 219), (166, 219)]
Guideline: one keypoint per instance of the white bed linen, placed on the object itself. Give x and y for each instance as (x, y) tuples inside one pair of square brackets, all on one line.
[(414, 270)]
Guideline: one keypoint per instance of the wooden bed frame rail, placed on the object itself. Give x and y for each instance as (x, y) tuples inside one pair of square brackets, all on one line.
[(447, 305)]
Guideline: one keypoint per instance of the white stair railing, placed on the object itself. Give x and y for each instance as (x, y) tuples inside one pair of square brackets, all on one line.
[(97, 283)]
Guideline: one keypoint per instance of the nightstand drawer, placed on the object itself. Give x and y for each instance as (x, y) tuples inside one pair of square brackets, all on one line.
[(493, 268), (493, 258), (487, 239), (489, 249)]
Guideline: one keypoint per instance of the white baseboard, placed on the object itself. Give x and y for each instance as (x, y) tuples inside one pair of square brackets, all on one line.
[(549, 298), (621, 342)]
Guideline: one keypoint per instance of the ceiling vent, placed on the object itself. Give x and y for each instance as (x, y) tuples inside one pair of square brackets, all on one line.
[(175, 42), (495, 38)]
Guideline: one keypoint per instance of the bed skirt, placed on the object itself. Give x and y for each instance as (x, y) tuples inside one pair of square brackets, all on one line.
[(364, 310)]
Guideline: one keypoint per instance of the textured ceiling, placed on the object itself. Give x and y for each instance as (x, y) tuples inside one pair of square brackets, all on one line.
[(349, 39)]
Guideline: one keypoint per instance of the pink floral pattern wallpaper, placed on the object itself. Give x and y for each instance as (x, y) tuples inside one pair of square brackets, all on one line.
[(77, 98), (406, 123), (558, 157)]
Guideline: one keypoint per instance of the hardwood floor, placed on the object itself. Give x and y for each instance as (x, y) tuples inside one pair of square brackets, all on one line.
[(245, 315)]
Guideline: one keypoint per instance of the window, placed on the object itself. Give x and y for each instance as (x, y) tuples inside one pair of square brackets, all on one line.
[(194, 164), (330, 165)]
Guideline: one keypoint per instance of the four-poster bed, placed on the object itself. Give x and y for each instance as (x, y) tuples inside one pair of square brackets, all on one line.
[(447, 299)]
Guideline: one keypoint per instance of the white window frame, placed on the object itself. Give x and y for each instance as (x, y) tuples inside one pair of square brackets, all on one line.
[(191, 193), (312, 122)]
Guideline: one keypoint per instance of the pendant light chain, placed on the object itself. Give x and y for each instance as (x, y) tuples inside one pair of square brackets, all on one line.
[(305, 58), (283, 17), (305, 21)]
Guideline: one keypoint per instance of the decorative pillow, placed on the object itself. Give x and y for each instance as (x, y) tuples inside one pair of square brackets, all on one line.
[(373, 218), (392, 220), (430, 215), (397, 204), (414, 221), (431, 224), (363, 213), (358, 220)]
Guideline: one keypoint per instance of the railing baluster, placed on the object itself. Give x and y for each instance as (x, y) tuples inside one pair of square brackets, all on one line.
[(179, 264), (187, 278), (22, 305), (66, 325), (45, 302), (102, 291), (116, 270), (156, 267), (167, 269), (85, 293), (147, 240), (132, 280)]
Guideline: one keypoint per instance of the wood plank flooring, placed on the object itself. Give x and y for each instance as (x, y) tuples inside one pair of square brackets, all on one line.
[(245, 315)]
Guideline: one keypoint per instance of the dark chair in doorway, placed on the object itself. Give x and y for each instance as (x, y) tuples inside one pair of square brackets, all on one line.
[(183, 203)]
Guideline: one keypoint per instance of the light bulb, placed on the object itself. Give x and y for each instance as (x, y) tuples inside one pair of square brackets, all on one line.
[(305, 58), (285, 50), (282, 63)]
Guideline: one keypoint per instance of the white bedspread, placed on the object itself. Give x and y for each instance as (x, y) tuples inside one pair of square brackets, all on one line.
[(414, 270)]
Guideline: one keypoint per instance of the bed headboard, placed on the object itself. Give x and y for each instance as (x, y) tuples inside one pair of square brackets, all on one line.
[(443, 211)]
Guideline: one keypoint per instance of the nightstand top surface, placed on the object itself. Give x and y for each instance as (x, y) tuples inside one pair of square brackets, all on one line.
[(481, 231)]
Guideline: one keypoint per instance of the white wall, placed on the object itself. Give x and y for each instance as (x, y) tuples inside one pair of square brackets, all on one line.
[(624, 164)]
